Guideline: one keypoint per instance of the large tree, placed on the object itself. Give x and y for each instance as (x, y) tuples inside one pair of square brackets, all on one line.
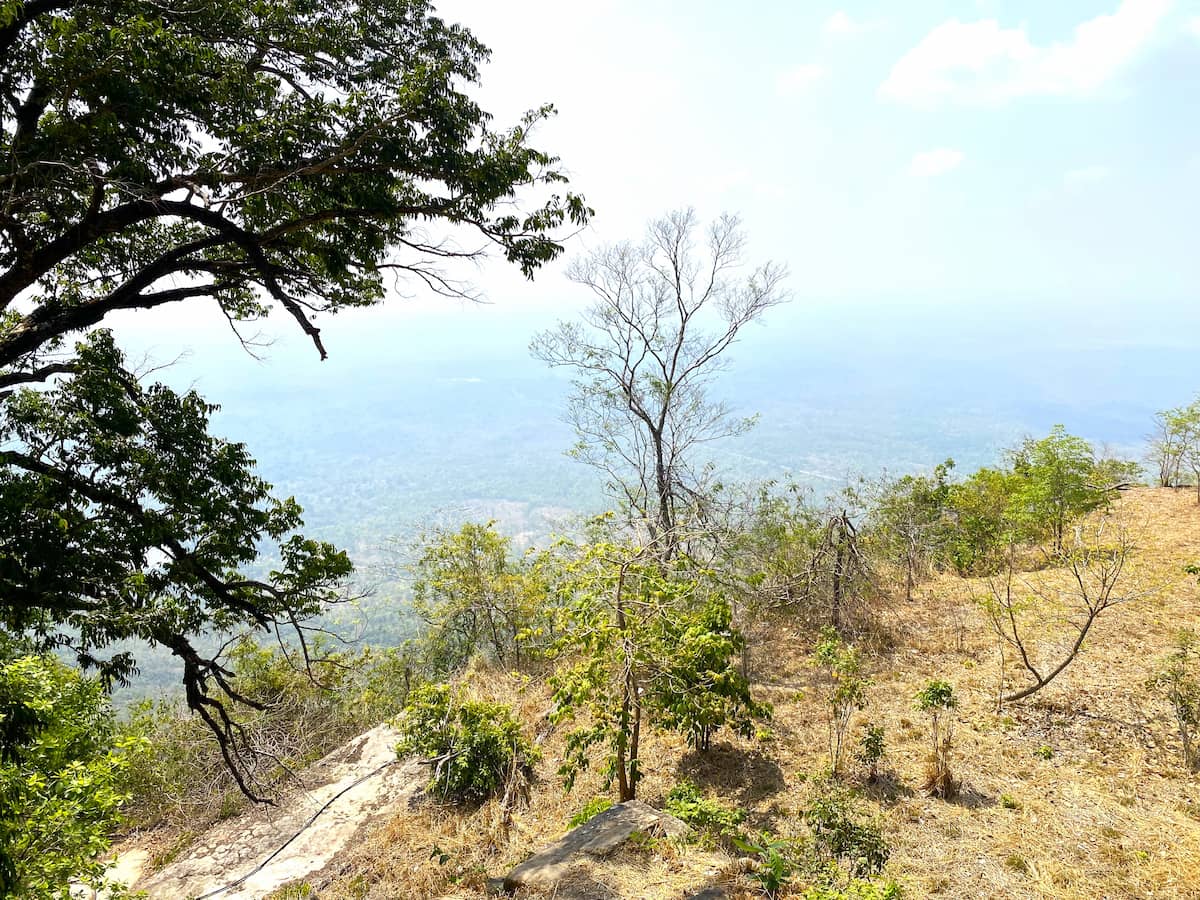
[(664, 313), (246, 154)]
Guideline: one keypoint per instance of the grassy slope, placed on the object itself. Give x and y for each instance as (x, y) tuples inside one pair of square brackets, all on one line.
[(1108, 814)]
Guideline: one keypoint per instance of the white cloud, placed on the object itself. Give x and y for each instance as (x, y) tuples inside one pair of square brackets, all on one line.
[(800, 78), (1193, 25), (983, 63), (1086, 175), (935, 162)]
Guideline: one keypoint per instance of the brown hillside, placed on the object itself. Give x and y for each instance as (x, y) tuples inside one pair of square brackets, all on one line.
[(1074, 792)]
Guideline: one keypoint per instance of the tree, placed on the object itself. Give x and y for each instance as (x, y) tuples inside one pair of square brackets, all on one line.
[(982, 525), (245, 154), (1095, 564), (645, 353), (61, 769), (908, 521), (1185, 424), (472, 595), (641, 642), (1055, 484), (1167, 446)]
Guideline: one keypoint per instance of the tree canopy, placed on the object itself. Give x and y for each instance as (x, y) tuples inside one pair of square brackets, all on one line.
[(250, 155)]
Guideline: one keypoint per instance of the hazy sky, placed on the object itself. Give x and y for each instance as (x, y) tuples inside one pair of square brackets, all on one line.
[(957, 151), (967, 157)]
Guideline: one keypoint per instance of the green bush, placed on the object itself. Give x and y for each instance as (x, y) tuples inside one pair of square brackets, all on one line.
[(473, 746), (846, 690), (685, 802), (838, 832), (855, 889), (589, 810), (61, 767), (871, 750), (776, 860)]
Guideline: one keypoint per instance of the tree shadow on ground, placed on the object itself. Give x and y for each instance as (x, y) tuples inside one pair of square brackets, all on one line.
[(970, 798), (887, 789), (748, 775)]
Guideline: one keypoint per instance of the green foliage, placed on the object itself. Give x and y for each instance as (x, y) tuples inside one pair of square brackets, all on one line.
[(776, 859), (474, 747), (592, 808), (909, 523), (839, 833), (685, 802), (938, 702), (1049, 484), (871, 749), (241, 154), (637, 640), (855, 889), (472, 595), (846, 692), (936, 696), (61, 768), (698, 688), (1176, 444), (1055, 484), (1178, 681), (982, 527)]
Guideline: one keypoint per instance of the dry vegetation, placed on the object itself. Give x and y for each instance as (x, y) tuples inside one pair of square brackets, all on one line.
[(1077, 791)]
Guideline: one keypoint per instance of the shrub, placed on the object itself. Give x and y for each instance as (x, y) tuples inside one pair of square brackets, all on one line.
[(474, 747), (838, 833), (686, 803), (847, 690), (871, 750), (937, 701), (701, 688), (1179, 681), (589, 810), (776, 860), (61, 767), (855, 889)]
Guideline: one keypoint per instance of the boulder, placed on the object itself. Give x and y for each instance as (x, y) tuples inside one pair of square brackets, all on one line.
[(598, 836)]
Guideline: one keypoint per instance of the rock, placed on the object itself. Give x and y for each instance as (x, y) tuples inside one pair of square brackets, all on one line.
[(259, 851), (600, 835), (710, 893)]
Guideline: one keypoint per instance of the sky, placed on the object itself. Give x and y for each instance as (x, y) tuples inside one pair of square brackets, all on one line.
[(953, 152), (975, 163)]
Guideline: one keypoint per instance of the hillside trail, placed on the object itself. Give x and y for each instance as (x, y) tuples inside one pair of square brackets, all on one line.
[(252, 854)]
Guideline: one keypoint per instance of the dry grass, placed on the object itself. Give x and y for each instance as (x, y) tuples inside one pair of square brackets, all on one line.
[(1077, 792)]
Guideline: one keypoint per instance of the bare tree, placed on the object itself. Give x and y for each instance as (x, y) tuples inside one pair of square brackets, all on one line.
[(644, 354), (1096, 579)]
